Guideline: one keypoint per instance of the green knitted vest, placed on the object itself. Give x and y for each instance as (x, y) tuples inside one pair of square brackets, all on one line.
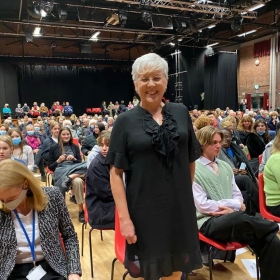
[(216, 187)]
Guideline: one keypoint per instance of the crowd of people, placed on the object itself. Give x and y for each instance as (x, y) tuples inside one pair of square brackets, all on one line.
[(168, 172)]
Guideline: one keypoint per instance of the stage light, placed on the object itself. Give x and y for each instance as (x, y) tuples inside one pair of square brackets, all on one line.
[(212, 45), (122, 17), (38, 32), (94, 36), (29, 37), (255, 7), (147, 16), (62, 14), (246, 33)]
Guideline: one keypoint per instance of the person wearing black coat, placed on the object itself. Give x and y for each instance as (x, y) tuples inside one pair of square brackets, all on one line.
[(99, 199), (88, 144)]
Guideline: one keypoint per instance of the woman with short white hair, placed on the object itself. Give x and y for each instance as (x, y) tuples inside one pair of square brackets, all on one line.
[(68, 123), (155, 145)]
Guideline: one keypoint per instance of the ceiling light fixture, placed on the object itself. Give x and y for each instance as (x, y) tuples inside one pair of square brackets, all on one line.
[(172, 44), (247, 33), (38, 32), (255, 7), (62, 14), (211, 26), (94, 36), (147, 16), (212, 45)]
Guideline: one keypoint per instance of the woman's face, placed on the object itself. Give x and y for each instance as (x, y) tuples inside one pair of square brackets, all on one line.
[(261, 127), (5, 150), (55, 131), (2, 128), (15, 135), (65, 136), (10, 194), (151, 87), (104, 147), (246, 124), (96, 129)]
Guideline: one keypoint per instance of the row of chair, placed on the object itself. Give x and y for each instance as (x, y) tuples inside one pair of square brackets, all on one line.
[(93, 110)]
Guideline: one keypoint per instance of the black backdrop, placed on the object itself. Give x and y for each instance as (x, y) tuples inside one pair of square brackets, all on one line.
[(220, 81), (83, 87)]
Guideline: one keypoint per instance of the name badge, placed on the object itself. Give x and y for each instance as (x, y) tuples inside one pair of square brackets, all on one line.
[(36, 273)]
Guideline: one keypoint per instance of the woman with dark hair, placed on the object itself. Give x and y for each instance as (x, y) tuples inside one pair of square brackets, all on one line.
[(66, 162), (98, 128)]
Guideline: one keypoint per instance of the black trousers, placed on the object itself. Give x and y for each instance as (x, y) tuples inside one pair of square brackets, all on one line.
[(258, 233), (274, 210), (20, 271), (250, 193)]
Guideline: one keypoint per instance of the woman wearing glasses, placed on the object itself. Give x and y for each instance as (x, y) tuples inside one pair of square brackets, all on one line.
[(155, 145)]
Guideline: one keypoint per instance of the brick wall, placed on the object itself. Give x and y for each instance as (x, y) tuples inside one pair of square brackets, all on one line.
[(249, 74)]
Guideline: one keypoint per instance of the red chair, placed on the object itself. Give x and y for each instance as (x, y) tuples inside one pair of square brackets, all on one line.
[(229, 246), (49, 178), (84, 225), (96, 110), (88, 110), (260, 158), (263, 208), (119, 246)]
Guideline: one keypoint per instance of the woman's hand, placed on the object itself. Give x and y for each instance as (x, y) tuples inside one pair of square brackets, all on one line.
[(242, 172), (74, 277), (235, 171), (61, 158), (70, 157), (128, 231)]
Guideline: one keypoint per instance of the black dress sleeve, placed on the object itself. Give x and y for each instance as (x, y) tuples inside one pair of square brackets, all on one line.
[(117, 154)]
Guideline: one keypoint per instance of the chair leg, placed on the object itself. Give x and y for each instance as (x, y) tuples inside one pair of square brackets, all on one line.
[(225, 260), (90, 252), (112, 269), (101, 235), (83, 232), (125, 275), (210, 262)]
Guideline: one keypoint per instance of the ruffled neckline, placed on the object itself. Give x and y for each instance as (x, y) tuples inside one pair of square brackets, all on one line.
[(164, 137)]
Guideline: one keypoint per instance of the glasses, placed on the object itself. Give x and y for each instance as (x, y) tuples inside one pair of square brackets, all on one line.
[(147, 80)]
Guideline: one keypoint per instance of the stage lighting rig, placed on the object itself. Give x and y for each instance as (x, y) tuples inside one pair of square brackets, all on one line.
[(62, 14), (46, 7)]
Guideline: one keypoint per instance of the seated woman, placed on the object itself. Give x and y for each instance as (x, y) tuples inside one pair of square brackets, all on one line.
[(4, 128), (257, 140), (243, 173), (244, 128), (35, 110), (272, 178), (6, 111), (29, 210), (6, 149), (20, 149), (65, 160), (99, 199)]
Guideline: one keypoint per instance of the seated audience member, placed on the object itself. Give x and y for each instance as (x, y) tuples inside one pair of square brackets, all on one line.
[(273, 120), (221, 211), (6, 149), (90, 130), (212, 119), (7, 112), (257, 140), (67, 123), (19, 111), (4, 128), (116, 107), (104, 110), (35, 110), (9, 122), (25, 204), (92, 154), (272, 178), (267, 152), (111, 109), (130, 105), (68, 110), (244, 128), (44, 111), (88, 144), (26, 110), (110, 123), (99, 199), (20, 149), (66, 163), (77, 125), (82, 130), (58, 109), (135, 101), (122, 108), (35, 142), (243, 174), (201, 121), (98, 128)]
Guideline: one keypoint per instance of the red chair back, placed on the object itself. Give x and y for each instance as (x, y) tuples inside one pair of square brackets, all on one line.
[(263, 208), (85, 207), (88, 110), (76, 142), (119, 239)]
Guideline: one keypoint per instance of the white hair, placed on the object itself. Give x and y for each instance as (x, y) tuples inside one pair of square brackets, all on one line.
[(66, 122), (148, 63), (92, 121)]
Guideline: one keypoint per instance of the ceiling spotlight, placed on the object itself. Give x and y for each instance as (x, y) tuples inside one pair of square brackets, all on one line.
[(38, 32), (212, 45), (94, 36), (29, 37), (122, 17), (180, 25), (246, 33), (236, 24), (172, 44), (255, 7), (145, 2), (62, 14), (43, 13), (147, 16)]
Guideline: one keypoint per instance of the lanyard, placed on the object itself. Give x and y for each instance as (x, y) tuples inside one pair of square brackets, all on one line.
[(31, 245)]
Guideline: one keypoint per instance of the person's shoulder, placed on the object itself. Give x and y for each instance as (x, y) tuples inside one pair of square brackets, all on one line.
[(52, 192), (127, 115), (176, 106), (27, 148)]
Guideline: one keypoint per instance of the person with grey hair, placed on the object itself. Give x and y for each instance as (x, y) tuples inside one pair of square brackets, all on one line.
[(67, 123), (155, 146)]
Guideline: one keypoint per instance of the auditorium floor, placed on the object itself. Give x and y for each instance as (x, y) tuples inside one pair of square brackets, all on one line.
[(103, 254)]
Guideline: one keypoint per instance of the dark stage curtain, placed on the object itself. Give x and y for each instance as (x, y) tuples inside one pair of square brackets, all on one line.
[(262, 48), (192, 61), (220, 81), (82, 87)]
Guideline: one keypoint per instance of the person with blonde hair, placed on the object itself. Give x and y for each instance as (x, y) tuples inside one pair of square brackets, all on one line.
[(244, 128), (32, 219), (201, 121), (155, 146)]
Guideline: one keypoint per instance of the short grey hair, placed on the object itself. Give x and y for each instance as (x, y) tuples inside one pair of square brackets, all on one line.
[(148, 63), (66, 122)]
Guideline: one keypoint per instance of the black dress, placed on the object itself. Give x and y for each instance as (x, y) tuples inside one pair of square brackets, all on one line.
[(158, 190)]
